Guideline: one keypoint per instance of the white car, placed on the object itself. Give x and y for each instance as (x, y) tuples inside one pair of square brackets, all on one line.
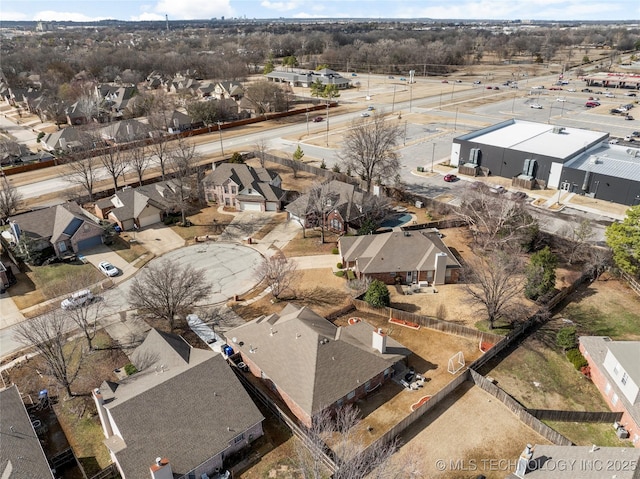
[(609, 95), (108, 269), (572, 90), (537, 106), (364, 114), (77, 299), (561, 99)]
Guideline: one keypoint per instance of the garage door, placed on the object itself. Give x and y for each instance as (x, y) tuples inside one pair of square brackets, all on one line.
[(149, 220), (250, 206), (89, 243), (272, 207)]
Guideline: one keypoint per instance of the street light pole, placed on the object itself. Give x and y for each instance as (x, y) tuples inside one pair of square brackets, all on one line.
[(220, 133), (433, 154), (327, 123), (307, 121)]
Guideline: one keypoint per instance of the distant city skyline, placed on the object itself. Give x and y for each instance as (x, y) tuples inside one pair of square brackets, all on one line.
[(149, 10)]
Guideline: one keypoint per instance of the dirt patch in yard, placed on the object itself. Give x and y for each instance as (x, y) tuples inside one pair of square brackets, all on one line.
[(311, 244), (208, 221), (467, 434)]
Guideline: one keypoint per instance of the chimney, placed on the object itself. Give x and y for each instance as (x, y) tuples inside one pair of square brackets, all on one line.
[(379, 340), (441, 268), (102, 413), (523, 461), (161, 469)]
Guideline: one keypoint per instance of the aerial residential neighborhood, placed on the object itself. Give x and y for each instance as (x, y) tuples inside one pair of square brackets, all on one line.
[(248, 247)]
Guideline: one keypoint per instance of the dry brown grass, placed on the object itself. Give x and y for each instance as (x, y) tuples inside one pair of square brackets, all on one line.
[(208, 221), (310, 244)]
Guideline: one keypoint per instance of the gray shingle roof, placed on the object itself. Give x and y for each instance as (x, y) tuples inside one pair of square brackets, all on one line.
[(135, 200), (312, 360), (186, 404), (20, 451), (348, 200), (258, 179), (54, 223), (395, 251)]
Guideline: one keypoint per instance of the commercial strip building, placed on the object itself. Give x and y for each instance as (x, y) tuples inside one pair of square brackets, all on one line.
[(538, 155)]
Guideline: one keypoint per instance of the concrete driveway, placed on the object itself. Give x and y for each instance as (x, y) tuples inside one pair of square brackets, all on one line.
[(104, 253), (159, 239)]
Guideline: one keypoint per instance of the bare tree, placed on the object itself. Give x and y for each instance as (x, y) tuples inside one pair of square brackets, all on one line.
[(338, 433), (162, 147), (167, 289), (184, 165), (262, 147), (48, 335), (139, 160), (113, 160), (322, 199), (494, 282), (82, 173), (498, 221), (369, 149), (278, 272), (578, 234), (10, 198), (300, 210)]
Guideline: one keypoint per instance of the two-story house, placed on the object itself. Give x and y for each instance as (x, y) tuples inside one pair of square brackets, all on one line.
[(615, 370), (244, 188)]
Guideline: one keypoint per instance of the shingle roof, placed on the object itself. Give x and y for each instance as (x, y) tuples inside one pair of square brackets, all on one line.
[(186, 404), (395, 251), (348, 200), (54, 223), (135, 200), (312, 360), (20, 451), (246, 177)]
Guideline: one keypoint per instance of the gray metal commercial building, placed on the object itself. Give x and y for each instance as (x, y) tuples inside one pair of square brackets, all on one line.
[(538, 155)]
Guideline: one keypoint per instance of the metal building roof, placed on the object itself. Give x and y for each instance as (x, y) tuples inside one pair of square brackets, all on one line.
[(611, 160)]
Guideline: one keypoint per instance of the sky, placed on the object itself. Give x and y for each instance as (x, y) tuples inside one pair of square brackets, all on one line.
[(90, 10)]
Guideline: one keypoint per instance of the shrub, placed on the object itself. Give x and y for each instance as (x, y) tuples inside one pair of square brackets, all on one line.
[(340, 274), (335, 251), (566, 338), (351, 275), (130, 369), (336, 168), (339, 266), (377, 294), (323, 165), (576, 358)]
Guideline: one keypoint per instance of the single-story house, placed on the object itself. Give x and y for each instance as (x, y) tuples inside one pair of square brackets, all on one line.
[(400, 257), (22, 455), (311, 363), (184, 406), (125, 131), (138, 207), (64, 227), (229, 89), (244, 188), (614, 367), (345, 213), (67, 140)]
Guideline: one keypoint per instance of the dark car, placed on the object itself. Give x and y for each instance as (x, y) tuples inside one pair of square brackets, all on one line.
[(586, 90), (450, 178), (318, 119), (628, 117)]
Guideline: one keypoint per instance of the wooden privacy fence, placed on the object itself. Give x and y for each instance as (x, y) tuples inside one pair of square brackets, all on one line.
[(323, 453), (427, 322), (576, 416), (631, 281), (519, 410), (396, 430), (307, 168)]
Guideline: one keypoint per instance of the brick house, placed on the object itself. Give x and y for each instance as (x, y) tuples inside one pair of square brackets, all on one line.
[(244, 188), (615, 370), (66, 228), (312, 364), (408, 257), (184, 405), (348, 207)]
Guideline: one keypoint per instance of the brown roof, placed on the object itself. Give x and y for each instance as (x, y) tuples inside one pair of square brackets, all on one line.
[(315, 362)]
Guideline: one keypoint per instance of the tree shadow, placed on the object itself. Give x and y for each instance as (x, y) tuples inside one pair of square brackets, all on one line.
[(408, 307), (320, 296)]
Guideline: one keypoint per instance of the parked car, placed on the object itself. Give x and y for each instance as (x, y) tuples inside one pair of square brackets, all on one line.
[(354, 74), (403, 79), (629, 117), (586, 90), (609, 95), (450, 178), (477, 82), (591, 104), (635, 133), (108, 269), (318, 119), (364, 114), (489, 87), (572, 90), (630, 94), (537, 106), (390, 77), (629, 138), (555, 88), (77, 299), (561, 99), (445, 81), (370, 108), (497, 189)]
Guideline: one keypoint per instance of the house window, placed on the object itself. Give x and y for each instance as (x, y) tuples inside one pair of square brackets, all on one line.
[(237, 439), (607, 388), (614, 399), (615, 369), (340, 402), (351, 395), (624, 378), (226, 189), (62, 246), (233, 190), (366, 385)]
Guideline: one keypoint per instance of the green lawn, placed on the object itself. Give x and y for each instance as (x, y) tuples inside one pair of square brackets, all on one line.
[(126, 250), (608, 320), (586, 434)]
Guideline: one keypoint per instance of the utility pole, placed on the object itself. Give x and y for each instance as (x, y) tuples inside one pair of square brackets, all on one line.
[(393, 103), (433, 154), (220, 133), (327, 123)]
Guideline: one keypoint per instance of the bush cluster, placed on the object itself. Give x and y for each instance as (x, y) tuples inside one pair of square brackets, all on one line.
[(130, 369), (576, 358)]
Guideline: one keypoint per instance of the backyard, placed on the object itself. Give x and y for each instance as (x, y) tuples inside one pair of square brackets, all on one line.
[(538, 374)]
